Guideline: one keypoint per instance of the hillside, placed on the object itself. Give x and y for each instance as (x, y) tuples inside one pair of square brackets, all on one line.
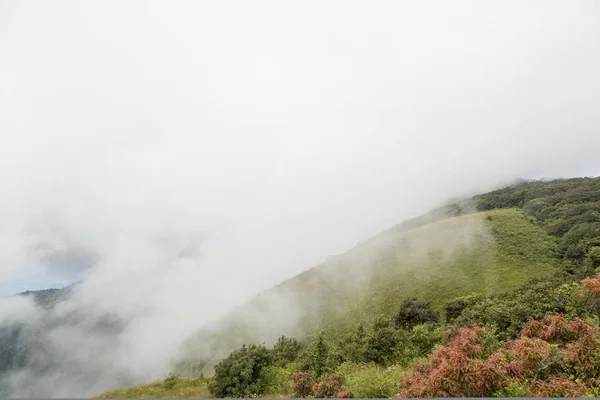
[(478, 253), (498, 258)]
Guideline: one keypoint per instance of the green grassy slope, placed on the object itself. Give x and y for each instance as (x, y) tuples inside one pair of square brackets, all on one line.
[(189, 388), (479, 253)]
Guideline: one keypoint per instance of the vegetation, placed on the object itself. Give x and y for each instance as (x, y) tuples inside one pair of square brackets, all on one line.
[(414, 312), (241, 374), (170, 387), (497, 295)]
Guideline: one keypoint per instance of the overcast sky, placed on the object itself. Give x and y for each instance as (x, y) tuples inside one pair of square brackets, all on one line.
[(274, 133)]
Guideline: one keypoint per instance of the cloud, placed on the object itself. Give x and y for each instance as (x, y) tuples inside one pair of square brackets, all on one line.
[(183, 157)]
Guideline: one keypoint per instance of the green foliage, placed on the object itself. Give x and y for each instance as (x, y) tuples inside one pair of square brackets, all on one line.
[(320, 357), (170, 381), (286, 350), (514, 389), (240, 374), (509, 312), (454, 308), (417, 343), (381, 341), (353, 344), (415, 312), (370, 381), (276, 380)]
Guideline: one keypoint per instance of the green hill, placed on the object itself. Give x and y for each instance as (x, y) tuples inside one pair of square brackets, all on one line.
[(487, 246), (477, 253)]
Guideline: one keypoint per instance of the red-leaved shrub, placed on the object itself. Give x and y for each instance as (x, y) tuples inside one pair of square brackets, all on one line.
[(455, 370), (302, 384), (556, 387), (327, 386), (546, 354), (592, 284)]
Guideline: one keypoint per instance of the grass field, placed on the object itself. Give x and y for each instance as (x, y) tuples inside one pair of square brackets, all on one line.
[(180, 388)]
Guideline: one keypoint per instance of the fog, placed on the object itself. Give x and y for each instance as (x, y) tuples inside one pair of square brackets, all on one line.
[(180, 157)]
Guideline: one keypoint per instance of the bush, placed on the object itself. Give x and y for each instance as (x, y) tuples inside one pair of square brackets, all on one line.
[(454, 308), (170, 381), (509, 312), (330, 386), (302, 384), (240, 374), (286, 350), (415, 312), (326, 386)]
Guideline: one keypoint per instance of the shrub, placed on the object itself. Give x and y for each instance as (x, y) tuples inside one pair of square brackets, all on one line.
[(556, 387), (302, 384), (170, 381), (286, 350), (330, 386), (327, 386), (454, 308), (239, 375), (540, 361), (509, 312), (415, 312), (456, 370)]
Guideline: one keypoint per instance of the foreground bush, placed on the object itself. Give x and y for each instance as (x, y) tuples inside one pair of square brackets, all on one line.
[(241, 373)]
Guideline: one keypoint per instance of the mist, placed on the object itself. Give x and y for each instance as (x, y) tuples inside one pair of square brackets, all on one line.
[(178, 158)]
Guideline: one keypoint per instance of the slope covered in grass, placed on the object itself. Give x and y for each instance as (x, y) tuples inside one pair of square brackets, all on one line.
[(169, 388), (476, 253)]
